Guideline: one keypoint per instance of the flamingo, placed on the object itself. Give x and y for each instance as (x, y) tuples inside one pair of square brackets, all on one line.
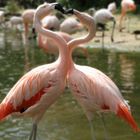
[(15, 20), (94, 90), (70, 25), (28, 16), (39, 88), (102, 16), (51, 47), (112, 7), (126, 5), (51, 22)]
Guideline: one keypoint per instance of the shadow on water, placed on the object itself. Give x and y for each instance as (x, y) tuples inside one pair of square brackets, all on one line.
[(65, 119)]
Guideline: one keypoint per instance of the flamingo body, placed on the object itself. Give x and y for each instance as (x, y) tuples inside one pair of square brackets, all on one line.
[(15, 20), (51, 22), (103, 16), (30, 93), (49, 46), (126, 5), (28, 16), (95, 91), (70, 25), (39, 88)]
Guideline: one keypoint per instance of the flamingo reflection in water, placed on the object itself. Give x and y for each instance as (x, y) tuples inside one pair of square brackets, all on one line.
[(32, 95), (94, 90)]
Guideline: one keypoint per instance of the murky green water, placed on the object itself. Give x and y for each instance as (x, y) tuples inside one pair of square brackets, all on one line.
[(65, 120)]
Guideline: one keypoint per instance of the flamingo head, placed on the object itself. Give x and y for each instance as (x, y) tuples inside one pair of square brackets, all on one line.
[(45, 9), (83, 17)]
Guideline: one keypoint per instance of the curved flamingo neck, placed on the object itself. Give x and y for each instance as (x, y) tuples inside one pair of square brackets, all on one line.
[(75, 42), (61, 43)]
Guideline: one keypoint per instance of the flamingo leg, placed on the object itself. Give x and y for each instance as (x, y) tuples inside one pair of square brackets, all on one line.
[(104, 126), (112, 34), (121, 19), (92, 130), (33, 132), (103, 34)]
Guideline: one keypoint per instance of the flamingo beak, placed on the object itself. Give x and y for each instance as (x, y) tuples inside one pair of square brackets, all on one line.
[(59, 7), (69, 11)]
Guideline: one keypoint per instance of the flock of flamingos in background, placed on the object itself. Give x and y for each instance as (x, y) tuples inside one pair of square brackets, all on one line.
[(39, 88)]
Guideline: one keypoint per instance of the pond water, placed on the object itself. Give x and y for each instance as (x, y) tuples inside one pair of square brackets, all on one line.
[(65, 119)]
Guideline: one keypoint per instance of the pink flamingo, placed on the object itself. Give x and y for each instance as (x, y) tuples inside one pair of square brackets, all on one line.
[(39, 88), (70, 25), (95, 91), (51, 22), (126, 5), (50, 46), (28, 16)]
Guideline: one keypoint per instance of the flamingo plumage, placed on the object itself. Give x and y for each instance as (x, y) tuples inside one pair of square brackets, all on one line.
[(102, 16), (70, 25), (32, 95), (112, 7), (126, 6), (51, 47), (51, 22), (28, 16), (94, 90)]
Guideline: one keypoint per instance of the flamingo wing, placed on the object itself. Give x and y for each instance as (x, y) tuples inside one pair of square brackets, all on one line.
[(97, 92), (27, 91), (95, 86)]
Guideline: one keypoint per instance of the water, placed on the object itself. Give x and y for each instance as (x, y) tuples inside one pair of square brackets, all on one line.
[(65, 119)]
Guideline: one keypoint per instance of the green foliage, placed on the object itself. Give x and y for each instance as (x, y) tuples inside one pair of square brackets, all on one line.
[(12, 6)]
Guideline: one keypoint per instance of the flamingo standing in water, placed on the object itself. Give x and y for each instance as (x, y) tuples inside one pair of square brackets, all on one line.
[(102, 16), (28, 16), (50, 46), (126, 5), (39, 88), (94, 90)]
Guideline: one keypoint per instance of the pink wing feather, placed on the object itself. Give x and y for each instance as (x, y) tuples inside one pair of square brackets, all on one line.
[(26, 92), (96, 92)]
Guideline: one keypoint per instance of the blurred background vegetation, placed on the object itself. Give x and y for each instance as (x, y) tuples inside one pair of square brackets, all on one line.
[(15, 5)]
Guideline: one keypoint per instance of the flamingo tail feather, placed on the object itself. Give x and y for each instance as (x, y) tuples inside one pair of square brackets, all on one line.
[(124, 113)]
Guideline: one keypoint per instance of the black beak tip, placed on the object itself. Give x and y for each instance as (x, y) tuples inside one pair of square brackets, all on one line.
[(59, 7), (69, 11)]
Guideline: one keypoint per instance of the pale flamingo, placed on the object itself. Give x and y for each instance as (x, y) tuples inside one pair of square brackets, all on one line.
[(28, 16), (50, 46), (102, 16), (51, 22), (39, 88), (94, 90), (126, 5), (15, 21), (70, 25), (112, 7)]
